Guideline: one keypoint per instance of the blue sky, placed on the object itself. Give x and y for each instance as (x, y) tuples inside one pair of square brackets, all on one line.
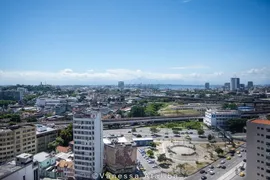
[(148, 41)]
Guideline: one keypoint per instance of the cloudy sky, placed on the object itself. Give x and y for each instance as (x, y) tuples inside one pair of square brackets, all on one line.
[(138, 41)]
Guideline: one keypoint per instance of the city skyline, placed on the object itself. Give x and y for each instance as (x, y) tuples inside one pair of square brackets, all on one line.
[(157, 42)]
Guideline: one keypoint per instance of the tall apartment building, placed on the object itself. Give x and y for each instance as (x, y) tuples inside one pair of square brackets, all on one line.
[(16, 140), (121, 84), (235, 84), (207, 85), (219, 118), (250, 84), (88, 144), (258, 149)]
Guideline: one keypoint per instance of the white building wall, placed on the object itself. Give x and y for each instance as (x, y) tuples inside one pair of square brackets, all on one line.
[(27, 172), (88, 145)]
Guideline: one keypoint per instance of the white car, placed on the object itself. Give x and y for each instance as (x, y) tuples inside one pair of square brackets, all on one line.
[(239, 155), (222, 162), (211, 172)]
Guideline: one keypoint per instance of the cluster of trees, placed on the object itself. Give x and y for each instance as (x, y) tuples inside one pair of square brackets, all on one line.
[(154, 130), (13, 117), (231, 106), (236, 125), (149, 110), (66, 135), (200, 131), (5, 103)]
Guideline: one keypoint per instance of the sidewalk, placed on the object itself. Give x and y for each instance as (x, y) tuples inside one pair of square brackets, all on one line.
[(230, 174)]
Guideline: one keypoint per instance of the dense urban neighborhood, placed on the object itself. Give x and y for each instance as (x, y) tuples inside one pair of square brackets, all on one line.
[(134, 131)]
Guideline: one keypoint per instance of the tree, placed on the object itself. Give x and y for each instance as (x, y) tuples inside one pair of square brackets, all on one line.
[(59, 141), (200, 131), (67, 135), (231, 106), (137, 111), (236, 125), (153, 144), (162, 157), (15, 118), (133, 129), (208, 146), (154, 130), (210, 137), (219, 150), (181, 167), (150, 153)]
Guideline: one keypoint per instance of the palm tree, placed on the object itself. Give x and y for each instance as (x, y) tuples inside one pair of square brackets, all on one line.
[(208, 146), (181, 167)]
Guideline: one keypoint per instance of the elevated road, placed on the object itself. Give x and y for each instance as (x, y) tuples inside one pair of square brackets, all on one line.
[(125, 120), (149, 119)]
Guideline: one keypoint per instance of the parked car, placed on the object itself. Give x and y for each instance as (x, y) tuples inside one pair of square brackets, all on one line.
[(222, 162), (219, 166), (202, 171), (211, 172), (223, 167), (203, 177)]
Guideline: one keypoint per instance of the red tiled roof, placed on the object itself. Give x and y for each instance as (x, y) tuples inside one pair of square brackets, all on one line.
[(261, 121), (62, 149)]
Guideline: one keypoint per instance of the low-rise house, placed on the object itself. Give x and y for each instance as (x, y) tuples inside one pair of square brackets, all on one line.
[(46, 163)]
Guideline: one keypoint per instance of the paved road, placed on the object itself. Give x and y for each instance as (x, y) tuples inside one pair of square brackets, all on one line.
[(230, 164)]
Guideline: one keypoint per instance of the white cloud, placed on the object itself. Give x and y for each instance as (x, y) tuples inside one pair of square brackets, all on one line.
[(68, 76), (190, 67)]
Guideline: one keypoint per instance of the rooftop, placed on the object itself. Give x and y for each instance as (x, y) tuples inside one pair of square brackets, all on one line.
[(43, 129), (8, 168), (63, 149), (66, 164), (66, 156), (24, 155), (143, 139), (42, 156), (261, 121), (110, 140)]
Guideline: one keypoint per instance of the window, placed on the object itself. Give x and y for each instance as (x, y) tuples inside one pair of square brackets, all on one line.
[(23, 177)]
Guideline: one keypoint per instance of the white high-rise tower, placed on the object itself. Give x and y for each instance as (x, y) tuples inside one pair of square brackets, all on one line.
[(88, 144)]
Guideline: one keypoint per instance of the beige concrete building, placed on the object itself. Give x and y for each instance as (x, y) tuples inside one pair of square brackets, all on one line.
[(120, 156), (258, 149), (16, 140), (45, 135)]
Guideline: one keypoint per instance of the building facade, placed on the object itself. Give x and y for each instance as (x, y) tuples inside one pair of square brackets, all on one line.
[(16, 140), (88, 144), (235, 84), (23, 168), (121, 84), (44, 135), (120, 157), (219, 118), (250, 84), (46, 164), (207, 85), (258, 149)]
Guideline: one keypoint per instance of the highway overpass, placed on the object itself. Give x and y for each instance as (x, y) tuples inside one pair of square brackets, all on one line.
[(149, 119)]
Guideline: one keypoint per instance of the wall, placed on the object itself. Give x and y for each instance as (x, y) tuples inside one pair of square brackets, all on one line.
[(27, 171)]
